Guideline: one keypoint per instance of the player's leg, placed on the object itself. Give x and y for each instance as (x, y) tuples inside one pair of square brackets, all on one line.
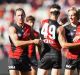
[(26, 73), (78, 72), (78, 66), (70, 66), (33, 71), (56, 72), (42, 72), (56, 62), (68, 72), (14, 72)]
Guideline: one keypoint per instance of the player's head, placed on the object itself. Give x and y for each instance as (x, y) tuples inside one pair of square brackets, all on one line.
[(54, 11), (73, 15), (19, 15), (30, 20)]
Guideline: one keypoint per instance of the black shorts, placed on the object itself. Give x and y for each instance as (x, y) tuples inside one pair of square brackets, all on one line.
[(72, 64), (50, 58), (34, 62), (22, 64)]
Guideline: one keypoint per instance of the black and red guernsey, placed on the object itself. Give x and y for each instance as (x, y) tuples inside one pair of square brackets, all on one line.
[(31, 47), (23, 34), (49, 33), (71, 32)]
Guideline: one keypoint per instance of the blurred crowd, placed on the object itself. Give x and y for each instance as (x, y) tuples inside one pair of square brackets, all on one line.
[(37, 8)]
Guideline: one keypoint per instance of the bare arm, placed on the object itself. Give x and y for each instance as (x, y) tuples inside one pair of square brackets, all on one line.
[(76, 38), (62, 39), (14, 37)]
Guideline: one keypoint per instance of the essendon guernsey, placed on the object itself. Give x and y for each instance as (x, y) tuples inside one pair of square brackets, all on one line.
[(74, 53), (23, 34), (49, 34)]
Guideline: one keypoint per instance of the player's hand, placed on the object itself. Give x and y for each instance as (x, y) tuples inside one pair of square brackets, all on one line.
[(36, 41), (76, 38)]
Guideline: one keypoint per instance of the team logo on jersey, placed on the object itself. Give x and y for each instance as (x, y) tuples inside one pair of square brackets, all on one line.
[(71, 33), (19, 34)]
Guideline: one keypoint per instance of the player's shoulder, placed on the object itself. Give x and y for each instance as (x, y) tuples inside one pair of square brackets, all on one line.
[(26, 25), (44, 21), (60, 28), (12, 26), (63, 27), (66, 24), (35, 31), (12, 29)]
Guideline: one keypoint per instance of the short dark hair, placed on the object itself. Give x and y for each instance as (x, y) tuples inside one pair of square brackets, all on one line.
[(20, 9), (55, 6), (31, 18)]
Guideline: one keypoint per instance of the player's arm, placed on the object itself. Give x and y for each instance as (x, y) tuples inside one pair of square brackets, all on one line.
[(76, 38), (14, 37), (62, 39)]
